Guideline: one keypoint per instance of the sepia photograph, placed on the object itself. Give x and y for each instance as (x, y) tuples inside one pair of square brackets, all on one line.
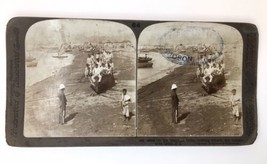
[(86, 82), (189, 80), (80, 78)]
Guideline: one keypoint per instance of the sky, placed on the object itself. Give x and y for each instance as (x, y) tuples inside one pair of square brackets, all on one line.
[(187, 33), (77, 32)]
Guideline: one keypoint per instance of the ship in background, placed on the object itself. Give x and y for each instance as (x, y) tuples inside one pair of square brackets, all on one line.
[(145, 62)]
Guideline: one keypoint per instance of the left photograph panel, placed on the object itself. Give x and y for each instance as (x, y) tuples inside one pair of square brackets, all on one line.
[(80, 78)]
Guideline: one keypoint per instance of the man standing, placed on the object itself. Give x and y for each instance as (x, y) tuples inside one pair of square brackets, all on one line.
[(62, 103), (175, 103)]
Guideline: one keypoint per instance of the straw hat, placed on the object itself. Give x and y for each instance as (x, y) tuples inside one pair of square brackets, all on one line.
[(61, 86), (174, 86)]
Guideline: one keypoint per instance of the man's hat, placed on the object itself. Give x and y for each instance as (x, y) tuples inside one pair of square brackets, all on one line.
[(61, 86), (174, 86)]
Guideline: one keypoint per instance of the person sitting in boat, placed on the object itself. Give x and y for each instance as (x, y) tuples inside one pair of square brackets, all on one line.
[(208, 73), (98, 60), (103, 57), (216, 55), (110, 55), (222, 64), (97, 72), (107, 69), (220, 70), (203, 59), (209, 57)]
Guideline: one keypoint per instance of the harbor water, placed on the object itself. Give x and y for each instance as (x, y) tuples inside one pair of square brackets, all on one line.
[(47, 66), (161, 67)]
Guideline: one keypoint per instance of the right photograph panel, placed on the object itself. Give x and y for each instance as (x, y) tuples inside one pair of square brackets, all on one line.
[(189, 80)]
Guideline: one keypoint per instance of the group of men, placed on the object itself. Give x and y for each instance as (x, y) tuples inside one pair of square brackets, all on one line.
[(98, 64), (210, 65)]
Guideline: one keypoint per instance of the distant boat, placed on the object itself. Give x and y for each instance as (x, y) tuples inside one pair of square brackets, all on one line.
[(62, 50), (144, 62), (144, 59), (30, 59), (60, 56), (32, 64)]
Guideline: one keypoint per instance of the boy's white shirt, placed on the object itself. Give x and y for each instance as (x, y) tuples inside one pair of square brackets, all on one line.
[(234, 100), (125, 99)]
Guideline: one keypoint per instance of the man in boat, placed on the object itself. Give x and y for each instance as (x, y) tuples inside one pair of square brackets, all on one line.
[(175, 104), (208, 73), (219, 70), (62, 103), (108, 69), (125, 100), (97, 72), (98, 60)]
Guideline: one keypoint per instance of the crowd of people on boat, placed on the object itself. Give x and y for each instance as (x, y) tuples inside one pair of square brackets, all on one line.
[(98, 64), (209, 65)]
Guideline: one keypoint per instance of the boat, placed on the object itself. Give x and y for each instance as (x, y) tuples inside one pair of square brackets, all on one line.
[(218, 82), (145, 65), (144, 59), (31, 63), (60, 56), (30, 59), (107, 82), (144, 62), (62, 51)]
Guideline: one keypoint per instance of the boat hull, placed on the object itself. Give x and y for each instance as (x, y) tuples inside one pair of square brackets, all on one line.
[(145, 65), (218, 82), (106, 83), (59, 56), (32, 64)]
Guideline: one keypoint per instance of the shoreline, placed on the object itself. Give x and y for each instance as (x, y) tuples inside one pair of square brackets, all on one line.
[(161, 67), (46, 71)]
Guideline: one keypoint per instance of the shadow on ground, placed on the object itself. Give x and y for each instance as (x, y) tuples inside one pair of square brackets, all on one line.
[(70, 117), (183, 116)]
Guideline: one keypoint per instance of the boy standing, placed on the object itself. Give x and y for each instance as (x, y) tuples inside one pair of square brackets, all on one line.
[(126, 99), (234, 105)]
